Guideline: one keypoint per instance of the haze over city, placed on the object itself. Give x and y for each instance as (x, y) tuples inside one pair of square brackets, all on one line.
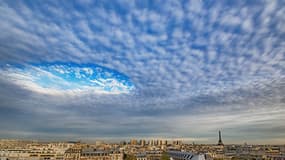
[(115, 70)]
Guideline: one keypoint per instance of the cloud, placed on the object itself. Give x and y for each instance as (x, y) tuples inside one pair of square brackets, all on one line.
[(195, 59), (67, 78)]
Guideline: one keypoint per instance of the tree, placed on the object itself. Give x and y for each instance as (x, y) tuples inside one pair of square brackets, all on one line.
[(165, 156), (130, 157)]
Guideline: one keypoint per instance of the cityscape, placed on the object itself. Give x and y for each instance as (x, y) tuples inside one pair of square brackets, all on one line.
[(142, 80), (136, 149)]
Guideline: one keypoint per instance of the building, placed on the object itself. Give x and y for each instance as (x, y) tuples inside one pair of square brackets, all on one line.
[(73, 153), (164, 142), (142, 142), (133, 142), (93, 154), (177, 142), (178, 155), (116, 155), (141, 156)]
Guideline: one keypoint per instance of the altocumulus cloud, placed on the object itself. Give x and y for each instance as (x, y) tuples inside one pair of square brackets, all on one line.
[(179, 69)]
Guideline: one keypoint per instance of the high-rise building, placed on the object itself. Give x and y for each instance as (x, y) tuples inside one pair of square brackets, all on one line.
[(133, 142), (177, 142), (142, 142), (123, 143), (160, 142), (164, 142), (98, 143), (151, 142), (220, 143)]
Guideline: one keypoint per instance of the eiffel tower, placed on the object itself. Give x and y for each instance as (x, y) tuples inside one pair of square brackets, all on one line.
[(220, 143)]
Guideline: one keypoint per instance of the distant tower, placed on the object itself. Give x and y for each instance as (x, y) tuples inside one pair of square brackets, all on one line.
[(220, 143)]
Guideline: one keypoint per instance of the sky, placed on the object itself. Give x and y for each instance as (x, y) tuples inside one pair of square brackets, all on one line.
[(114, 70)]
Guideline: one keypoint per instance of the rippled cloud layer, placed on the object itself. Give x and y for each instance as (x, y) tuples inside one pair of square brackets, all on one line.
[(182, 69)]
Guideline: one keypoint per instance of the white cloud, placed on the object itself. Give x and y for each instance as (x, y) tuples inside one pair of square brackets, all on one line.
[(175, 54)]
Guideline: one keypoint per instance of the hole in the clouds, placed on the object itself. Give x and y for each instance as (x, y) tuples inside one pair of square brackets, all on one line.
[(68, 77)]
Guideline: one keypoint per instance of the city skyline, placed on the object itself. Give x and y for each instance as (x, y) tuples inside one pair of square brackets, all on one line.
[(138, 141), (87, 70)]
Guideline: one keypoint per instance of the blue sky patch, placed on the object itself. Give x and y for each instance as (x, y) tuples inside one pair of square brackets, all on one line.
[(70, 76)]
